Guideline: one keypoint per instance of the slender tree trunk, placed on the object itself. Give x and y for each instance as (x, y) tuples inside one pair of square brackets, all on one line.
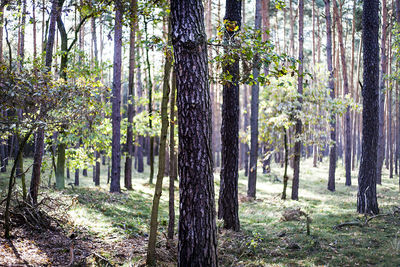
[(131, 96), (1, 31), (172, 162), (251, 190), (297, 144), (381, 140), (285, 176), (116, 101), (39, 145), (366, 196), (150, 107), (11, 182), (331, 85), (197, 244), (151, 251), (347, 123)]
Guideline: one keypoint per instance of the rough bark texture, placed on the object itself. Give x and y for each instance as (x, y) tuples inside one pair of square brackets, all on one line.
[(197, 244), (366, 196), (297, 144), (116, 102), (228, 205), (347, 123), (331, 84), (251, 189), (131, 95), (381, 139)]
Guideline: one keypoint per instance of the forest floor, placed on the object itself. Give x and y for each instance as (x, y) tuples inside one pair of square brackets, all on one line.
[(112, 229)]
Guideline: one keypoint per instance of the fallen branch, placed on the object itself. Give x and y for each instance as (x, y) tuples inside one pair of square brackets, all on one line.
[(366, 221)]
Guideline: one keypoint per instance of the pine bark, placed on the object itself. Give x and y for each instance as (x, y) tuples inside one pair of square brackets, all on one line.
[(116, 102), (131, 96), (331, 85), (366, 196), (197, 244), (251, 189), (347, 123), (297, 144), (228, 205), (382, 74)]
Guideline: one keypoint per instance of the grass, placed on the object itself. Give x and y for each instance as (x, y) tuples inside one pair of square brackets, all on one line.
[(264, 240)]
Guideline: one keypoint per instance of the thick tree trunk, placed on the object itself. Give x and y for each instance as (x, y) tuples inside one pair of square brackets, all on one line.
[(366, 196), (116, 101), (297, 144), (228, 205), (251, 189), (331, 85), (197, 227)]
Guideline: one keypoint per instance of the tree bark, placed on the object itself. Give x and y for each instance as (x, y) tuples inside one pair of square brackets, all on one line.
[(381, 140), (131, 96), (197, 244), (347, 123), (331, 85), (228, 205), (297, 144), (172, 161), (251, 190), (366, 196), (116, 102)]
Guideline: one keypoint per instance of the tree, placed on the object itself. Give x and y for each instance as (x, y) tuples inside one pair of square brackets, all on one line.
[(39, 144), (228, 206), (331, 85), (297, 144), (347, 123), (131, 94), (197, 245), (251, 189), (366, 196), (116, 102), (151, 251), (382, 74)]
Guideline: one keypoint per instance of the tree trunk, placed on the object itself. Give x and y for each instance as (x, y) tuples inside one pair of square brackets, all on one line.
[(285, 176), (297, 144), (131, 96), (331, 85), (366, 196), (172, 162), (116, 101), (347, 123), (382, 74), (151, 250), (39, 146), (251, 190), (197, 244), (228, 205)]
